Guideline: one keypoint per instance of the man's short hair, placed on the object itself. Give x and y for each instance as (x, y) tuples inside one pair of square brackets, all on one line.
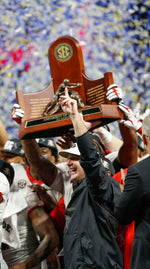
[(146, 126)]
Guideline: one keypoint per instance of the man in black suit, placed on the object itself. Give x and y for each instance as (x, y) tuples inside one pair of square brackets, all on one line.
[(134, 204)]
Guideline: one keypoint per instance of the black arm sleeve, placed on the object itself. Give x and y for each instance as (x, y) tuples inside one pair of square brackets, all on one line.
[(105, 187)]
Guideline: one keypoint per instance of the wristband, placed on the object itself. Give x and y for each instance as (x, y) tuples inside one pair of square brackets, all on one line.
[(105, 135)]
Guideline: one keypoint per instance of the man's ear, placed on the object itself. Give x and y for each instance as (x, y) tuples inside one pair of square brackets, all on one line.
[(144, 139)]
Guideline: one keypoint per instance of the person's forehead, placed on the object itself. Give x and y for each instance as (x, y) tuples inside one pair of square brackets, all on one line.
[(9, 155), (73, 157), (45, 149)]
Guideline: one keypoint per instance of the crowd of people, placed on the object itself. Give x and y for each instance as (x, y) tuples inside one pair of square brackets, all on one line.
[(81, 201)]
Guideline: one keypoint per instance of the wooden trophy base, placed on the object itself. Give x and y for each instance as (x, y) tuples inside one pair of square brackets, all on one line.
[(57, 125)]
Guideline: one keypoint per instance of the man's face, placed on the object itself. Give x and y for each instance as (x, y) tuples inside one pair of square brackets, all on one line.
[(46, 153), (76, 171)]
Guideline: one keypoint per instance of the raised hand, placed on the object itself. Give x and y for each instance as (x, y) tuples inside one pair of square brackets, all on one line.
[(17, 113), (114, 93), (66, 140), (44, 196), (68, 104), (130, 119)]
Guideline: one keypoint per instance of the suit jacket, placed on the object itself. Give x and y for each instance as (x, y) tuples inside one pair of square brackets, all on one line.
[(134, 204)]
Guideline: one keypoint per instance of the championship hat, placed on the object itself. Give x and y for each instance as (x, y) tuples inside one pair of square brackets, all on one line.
[(13, 146)]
